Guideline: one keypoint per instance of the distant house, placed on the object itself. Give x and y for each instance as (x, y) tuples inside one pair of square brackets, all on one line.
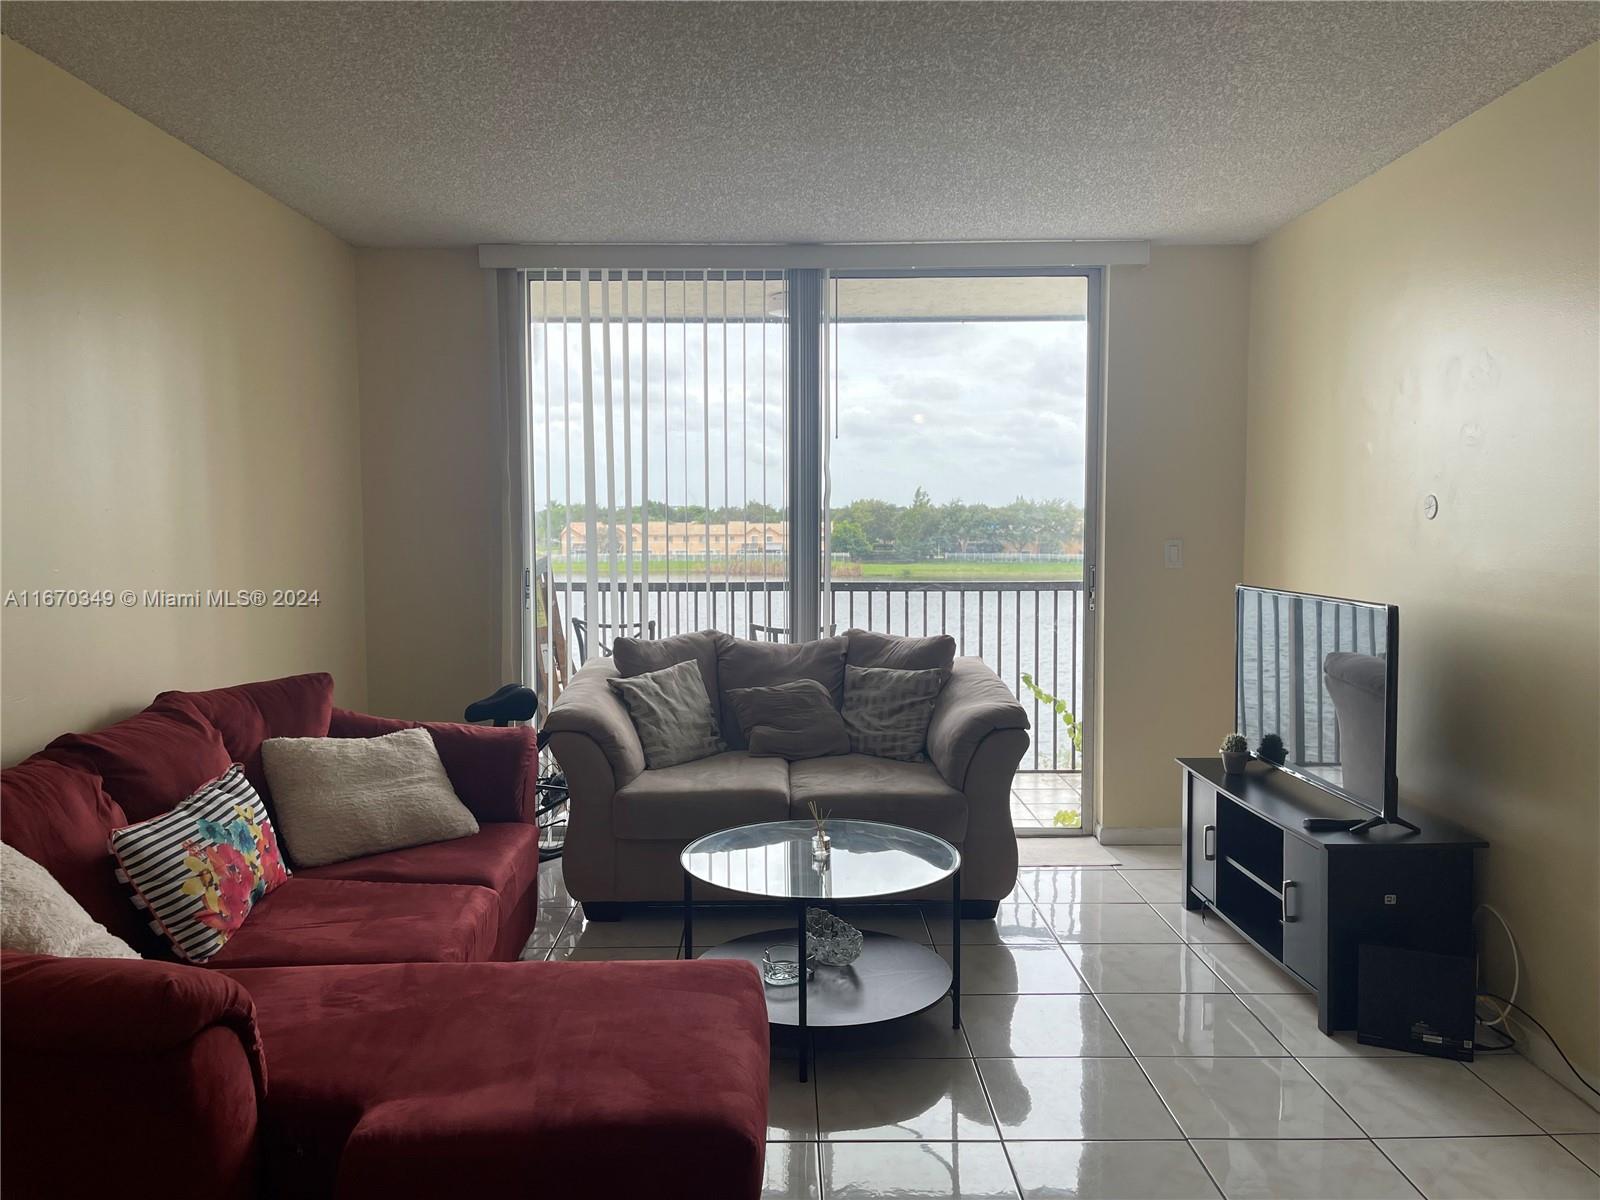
[(679, 539)]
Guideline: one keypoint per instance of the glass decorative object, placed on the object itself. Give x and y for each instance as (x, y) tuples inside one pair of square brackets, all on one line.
[(780, 966), (831, 941)]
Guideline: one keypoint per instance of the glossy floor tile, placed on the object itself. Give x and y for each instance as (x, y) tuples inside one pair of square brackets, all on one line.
[(1017, 923), (1076, 885), (927, 1034), (1246, 1098), (1414, 1097), (1144, 968), (1040, 1027), (1246, 969), (1291, 1017), (790, 1172), (1056, 1098), (791, 1105), (904, 1099), (1476, 1168), (1317, 1170), (1132, 923), (1538, 1097), (1157, 887), (1010, 970), (1191, 1023), (1148, 858), (1195, 926), (917, 1171), (1109, 1171)]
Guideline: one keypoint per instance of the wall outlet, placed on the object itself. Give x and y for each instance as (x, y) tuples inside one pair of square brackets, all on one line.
[(1172, 553)]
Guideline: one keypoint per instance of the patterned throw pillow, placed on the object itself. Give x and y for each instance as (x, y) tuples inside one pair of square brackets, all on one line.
[(887, 711), (672, 714), (199, 869)]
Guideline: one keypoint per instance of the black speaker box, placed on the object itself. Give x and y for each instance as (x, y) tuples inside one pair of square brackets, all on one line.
[(1417, 1001)]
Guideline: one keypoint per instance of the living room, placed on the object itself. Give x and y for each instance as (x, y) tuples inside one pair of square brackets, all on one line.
[(521, 521)]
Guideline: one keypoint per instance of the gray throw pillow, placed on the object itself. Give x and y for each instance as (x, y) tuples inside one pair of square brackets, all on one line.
[(638, 656), (791, 720), (672, 714), (887, 711), (869, 649)]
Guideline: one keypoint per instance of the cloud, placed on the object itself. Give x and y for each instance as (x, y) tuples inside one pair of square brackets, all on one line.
[(976, 411)]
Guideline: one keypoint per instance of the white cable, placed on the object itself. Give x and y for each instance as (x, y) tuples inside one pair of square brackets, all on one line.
[(1516, 966)]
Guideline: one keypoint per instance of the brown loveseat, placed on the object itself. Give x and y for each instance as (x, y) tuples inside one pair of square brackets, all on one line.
[(628, 824)]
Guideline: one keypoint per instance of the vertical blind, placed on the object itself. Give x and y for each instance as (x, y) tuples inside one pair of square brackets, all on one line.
[(658, 413)]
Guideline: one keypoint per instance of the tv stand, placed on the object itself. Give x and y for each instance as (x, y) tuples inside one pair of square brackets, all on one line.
[(1309, 898)]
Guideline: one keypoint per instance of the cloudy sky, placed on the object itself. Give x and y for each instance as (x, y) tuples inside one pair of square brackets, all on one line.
[(973, 411)]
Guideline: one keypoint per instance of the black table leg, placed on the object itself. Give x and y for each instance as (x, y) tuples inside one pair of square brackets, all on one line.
[(803, 1035), (955, 950), (688, 915)]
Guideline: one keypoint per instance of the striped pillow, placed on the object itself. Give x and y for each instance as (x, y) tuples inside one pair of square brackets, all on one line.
[(198, 869)]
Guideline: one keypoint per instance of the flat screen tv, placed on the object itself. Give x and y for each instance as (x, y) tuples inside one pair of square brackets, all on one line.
[(1318, 674)]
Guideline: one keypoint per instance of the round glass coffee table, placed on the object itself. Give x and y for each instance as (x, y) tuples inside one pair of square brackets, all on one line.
[(868, 860)]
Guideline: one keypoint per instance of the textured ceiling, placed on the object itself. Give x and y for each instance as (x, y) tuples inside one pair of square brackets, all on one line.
[(456, 123)]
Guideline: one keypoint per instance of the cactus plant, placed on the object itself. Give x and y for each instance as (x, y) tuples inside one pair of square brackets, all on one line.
[(1235, 754), (1271, 749), (1234, 743)]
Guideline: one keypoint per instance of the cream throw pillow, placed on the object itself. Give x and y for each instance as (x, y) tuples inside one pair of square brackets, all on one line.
[(39, 916), (342, 798)]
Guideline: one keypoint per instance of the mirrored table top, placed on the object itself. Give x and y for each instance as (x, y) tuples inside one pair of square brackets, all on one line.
[(774, 859)]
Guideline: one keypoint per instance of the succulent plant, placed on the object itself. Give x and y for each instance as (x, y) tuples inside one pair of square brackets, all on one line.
[(1234, 743), (1271, 749)]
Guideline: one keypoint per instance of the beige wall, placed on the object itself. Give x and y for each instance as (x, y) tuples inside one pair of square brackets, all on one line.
[(1434, 330), (1173, 454), (180, 412), (432, 483)]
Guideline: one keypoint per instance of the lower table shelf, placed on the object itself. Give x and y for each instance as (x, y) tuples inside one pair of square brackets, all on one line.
[(892, 978)]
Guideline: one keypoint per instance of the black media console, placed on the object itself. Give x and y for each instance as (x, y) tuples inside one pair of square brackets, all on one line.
[(1310, 899)]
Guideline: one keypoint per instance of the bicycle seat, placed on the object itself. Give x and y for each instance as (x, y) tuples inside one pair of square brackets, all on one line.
[(513, 702)]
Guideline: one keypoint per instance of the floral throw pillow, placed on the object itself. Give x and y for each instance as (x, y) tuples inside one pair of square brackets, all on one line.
[(197, 870)]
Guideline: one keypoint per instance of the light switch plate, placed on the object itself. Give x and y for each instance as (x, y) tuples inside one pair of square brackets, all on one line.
[(1172, 553)]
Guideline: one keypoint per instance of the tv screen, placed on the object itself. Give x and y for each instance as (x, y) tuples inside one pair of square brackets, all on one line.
[(1319, 673)]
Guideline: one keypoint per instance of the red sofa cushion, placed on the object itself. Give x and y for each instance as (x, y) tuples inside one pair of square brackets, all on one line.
[(315, 921), (503, 857), (494, 771), (431, 1079), (118, 1073), (247, 714), (150, 761), (62, 818)]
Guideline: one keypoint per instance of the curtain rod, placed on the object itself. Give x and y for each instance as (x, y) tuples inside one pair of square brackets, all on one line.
[(837, 255)]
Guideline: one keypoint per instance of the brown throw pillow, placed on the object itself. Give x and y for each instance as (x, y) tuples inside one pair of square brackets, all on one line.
[(792, 720), (747, 664), (869, 649)]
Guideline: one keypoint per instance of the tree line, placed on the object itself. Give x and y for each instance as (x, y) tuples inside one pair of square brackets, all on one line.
[(879, 530)]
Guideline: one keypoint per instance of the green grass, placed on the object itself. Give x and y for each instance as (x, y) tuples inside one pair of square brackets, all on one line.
[(931, 570)]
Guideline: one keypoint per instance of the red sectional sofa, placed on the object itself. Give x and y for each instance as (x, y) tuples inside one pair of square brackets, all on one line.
[(367, 1032)]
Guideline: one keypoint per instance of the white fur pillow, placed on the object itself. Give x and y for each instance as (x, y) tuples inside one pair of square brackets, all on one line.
[(38, 916), (342, 798)]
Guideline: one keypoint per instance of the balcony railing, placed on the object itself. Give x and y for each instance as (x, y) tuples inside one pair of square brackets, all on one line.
[(1032, 627)]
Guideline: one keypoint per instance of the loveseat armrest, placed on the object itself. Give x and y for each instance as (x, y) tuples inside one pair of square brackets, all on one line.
[(588, 708), (494, 771), (106, 1058), (974, 704)]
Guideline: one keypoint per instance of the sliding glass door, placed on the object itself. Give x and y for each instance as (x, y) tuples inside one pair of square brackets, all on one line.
[(782, 453), (956, 471)]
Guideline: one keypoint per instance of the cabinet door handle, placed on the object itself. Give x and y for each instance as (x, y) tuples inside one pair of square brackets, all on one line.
[(1289, 917), (1208, 843)]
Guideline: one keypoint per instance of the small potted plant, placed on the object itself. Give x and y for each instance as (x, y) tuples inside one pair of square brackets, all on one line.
[(1235, 753), (1272, 750)]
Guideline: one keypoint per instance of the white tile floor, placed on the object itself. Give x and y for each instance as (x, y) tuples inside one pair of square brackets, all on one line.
[(1117, 1046)]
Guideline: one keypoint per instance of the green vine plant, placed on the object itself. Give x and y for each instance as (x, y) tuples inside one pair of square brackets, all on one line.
[(1074, 731)]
